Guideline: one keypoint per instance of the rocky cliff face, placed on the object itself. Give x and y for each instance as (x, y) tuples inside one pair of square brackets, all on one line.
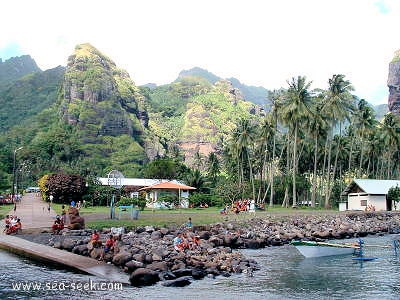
[(211, 118), (16, 67), (394, 84), (99, 97)]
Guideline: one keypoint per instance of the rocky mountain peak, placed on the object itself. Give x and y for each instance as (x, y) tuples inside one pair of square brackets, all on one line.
[(17, 67), (101, 97), (394, 83)]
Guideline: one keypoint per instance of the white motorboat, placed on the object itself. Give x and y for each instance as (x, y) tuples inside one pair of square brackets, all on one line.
[(318, 249)]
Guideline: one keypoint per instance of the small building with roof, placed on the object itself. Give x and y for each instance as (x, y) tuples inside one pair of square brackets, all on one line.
[(182, 191), (367, 194), (153, 188)]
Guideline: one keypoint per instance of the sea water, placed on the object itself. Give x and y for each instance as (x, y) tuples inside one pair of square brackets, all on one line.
[(283, 274)]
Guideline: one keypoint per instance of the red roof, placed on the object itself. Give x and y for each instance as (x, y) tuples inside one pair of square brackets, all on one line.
[(168, 186)]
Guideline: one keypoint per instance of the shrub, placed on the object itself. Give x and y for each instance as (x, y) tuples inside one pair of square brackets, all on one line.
[(65, 187)]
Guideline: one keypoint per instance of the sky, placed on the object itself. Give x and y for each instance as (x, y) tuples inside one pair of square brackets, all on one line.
[(260, 42)]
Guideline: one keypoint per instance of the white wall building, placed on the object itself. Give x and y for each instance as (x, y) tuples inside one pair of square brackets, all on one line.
[(372, 193)]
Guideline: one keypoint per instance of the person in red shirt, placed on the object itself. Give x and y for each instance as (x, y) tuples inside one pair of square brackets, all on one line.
[(58, 225), (95, 239), (109, 245)]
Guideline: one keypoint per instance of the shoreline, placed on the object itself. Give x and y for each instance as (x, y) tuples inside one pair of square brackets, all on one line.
[(147, 253)]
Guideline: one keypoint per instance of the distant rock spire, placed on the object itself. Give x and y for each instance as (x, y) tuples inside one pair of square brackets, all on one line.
[(394, 84)]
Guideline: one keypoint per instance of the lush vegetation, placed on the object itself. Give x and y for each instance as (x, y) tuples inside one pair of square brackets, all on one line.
[(311, 144), (304, 151)]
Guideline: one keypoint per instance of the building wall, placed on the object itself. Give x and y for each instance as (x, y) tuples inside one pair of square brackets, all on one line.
[(355, 200), (359, 201), (379, 201)]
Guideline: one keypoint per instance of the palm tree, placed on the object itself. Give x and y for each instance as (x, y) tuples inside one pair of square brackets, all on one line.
[(243, 138), (317, 126), (296, 109), (276, 105), (264, 135), (365, 120), (213, 167), (337, 106), (391, 139)]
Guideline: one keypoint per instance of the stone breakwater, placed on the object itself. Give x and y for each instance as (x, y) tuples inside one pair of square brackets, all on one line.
[(148, 255)]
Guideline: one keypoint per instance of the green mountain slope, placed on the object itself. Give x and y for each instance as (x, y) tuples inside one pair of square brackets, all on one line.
[(195, 115), (255, 94), (106, 109), (16, 67), (28, 96)]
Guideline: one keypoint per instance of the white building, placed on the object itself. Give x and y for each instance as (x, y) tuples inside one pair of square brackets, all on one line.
[(363, 193), (152, 188)]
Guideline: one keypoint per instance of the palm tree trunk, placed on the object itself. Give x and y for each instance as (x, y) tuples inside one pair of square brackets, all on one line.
[(362, 153), (350, 156), (272, 172), (335, 164), (251, 176), (294, 204), (328, 175), (314, 187)]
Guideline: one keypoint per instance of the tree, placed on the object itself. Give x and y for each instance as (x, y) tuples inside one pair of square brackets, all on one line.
[(276, 98), (162, 168), (365, 120), (65, 187), (337, 106), (213, 168), (243, 138), (195, 179), (317, 126), (391, 140), (297, 101), (394, 194)]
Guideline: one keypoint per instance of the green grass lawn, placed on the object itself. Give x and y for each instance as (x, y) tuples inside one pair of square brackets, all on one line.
[(99, 216), (5, 209)]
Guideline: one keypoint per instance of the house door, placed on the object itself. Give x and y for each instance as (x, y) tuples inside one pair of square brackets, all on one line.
[(388, 204)]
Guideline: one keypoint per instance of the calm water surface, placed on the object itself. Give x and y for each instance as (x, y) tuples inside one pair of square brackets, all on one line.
[(284, 274)]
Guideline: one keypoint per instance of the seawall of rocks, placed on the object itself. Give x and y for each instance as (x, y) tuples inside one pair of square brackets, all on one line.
[(147, 253)]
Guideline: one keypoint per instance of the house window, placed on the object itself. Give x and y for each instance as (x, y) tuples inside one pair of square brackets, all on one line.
[(363, 202)]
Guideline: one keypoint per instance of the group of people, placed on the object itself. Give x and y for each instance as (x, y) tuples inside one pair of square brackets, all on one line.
[(58, 225), (245, 205), (111, 244), (370, 208), (13, 224), (186, 241)]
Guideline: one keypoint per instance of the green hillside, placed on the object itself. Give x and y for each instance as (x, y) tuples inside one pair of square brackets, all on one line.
[(255, 94), (16, 67), (28, 96), (195, 115)]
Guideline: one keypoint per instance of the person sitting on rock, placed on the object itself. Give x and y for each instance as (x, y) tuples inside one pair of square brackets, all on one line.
[(58, 225), (108, 246), (189, 224), (117, 243), (7, 220), (178, 242), (18, 225), (95, 239), (7, 229), (195, 242)]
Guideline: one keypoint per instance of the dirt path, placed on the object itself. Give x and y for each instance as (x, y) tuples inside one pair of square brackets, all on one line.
[(33, 212)]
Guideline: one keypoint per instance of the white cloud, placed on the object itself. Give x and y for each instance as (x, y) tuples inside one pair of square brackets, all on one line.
[(259, 42)]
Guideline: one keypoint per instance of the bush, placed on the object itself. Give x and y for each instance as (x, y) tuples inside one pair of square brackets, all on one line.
[(64, 187), (141, 202), (169, 198), (126, 201), (197, 199)]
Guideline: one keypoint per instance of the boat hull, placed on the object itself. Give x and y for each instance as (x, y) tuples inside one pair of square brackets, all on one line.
[(318, 251)]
